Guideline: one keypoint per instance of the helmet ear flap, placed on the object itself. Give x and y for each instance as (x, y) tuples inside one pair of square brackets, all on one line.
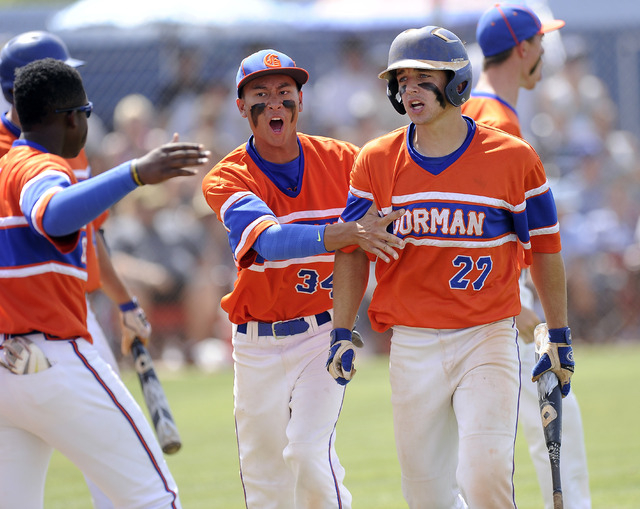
[(455, 96), (394, 96)]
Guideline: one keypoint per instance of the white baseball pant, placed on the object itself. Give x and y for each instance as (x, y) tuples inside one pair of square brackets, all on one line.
[(455, 407), (573, 456), (286, 409), (101, 343), (81, 408)]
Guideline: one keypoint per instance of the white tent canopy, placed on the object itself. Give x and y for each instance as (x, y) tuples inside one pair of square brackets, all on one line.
[(330, 14)]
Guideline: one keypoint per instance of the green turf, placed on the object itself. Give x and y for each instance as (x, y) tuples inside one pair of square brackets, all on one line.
[(206, 468)]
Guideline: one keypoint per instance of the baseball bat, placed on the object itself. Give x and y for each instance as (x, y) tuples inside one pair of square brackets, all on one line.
[(155, 399), (550, 399)]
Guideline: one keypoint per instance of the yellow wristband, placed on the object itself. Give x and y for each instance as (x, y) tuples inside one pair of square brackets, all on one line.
[(134, 173)]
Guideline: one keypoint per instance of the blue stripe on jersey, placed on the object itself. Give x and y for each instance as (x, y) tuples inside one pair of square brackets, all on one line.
[(242, 214), (11, 127), (455, 220), (541, 211), (36, 187), (28, 248), (356, 208)]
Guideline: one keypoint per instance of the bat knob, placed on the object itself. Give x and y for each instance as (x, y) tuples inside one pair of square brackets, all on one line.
[(171, 447)]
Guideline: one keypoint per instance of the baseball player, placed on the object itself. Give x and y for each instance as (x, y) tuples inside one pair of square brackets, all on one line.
[(472, 194), (279, 196), (17, 52), (510, 37), (57, 392)]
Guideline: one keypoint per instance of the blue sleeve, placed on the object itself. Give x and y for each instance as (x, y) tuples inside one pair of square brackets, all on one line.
[(79, 204), (356, 208), (287, 241)]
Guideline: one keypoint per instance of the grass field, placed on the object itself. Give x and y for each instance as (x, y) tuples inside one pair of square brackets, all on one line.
[(206, 469)]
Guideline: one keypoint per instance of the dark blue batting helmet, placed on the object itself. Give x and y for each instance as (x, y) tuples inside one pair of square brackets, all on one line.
[(429, 47), (26, 48)]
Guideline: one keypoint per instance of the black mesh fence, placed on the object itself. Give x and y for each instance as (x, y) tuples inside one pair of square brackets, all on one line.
[(150, 81)]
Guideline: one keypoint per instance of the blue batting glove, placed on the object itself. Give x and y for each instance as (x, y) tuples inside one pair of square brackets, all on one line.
[(341, 356), (557, 357)]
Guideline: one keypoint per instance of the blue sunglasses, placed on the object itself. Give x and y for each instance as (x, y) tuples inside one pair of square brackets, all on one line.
[(87, 108)]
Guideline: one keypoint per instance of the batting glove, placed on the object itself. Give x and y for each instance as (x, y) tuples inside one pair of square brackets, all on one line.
[(557, 357), (341, 356), (134, 324)]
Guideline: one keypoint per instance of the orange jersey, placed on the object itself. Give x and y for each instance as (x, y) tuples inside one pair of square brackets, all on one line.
[(43, 279), (10, 132), (247, 202), (492, 110), (466, 214)]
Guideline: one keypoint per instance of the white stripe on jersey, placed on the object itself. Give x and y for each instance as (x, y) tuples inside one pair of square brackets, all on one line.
[(45, 268), (281, 264), (456, 197)]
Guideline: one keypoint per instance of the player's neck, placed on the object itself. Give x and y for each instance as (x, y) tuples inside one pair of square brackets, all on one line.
[(46, 137), (499, 80), (441, 138), (12, 117)]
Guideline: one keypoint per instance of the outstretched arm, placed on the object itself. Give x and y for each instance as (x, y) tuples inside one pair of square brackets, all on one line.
[(369, 233), (286, 241), (75, 206)]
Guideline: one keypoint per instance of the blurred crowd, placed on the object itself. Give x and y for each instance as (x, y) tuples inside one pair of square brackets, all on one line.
[(174, 255)]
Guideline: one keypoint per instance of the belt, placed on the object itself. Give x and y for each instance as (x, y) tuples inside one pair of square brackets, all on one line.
[(286, 328)]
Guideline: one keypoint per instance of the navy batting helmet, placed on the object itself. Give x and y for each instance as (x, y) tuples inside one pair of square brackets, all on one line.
[(429, 47), (24, 49)]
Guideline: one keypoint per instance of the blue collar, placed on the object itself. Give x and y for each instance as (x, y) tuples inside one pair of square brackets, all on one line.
[(436, 165), (287, 177), (494, 97), (32, 144), (11, 127)]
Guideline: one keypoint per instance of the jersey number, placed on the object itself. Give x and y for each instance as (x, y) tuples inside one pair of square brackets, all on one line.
[(466, 264), (310, 280)]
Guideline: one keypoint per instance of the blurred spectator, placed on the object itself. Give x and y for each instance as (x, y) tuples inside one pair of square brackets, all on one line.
[(178, 102), (155, 246), (346, 100), (135, 130), (598, 196), (574, 108)]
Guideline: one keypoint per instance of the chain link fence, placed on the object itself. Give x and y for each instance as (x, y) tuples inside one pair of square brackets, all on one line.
[(148, 82)]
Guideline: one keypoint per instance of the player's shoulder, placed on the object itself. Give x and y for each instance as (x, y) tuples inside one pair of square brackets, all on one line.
[(492, 134), (237, 159), (35, 157), (328, 144), (389, 142), (495, 142)]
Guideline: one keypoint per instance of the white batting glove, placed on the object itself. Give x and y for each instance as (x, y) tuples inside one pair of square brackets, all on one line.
[(22, 357), (341, 356), (134, 325)]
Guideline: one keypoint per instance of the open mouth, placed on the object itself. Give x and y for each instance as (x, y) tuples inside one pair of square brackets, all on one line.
[(276, 125)]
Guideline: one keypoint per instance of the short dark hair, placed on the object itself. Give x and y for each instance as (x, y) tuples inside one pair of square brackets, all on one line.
[(501, 57), (43, 86)]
